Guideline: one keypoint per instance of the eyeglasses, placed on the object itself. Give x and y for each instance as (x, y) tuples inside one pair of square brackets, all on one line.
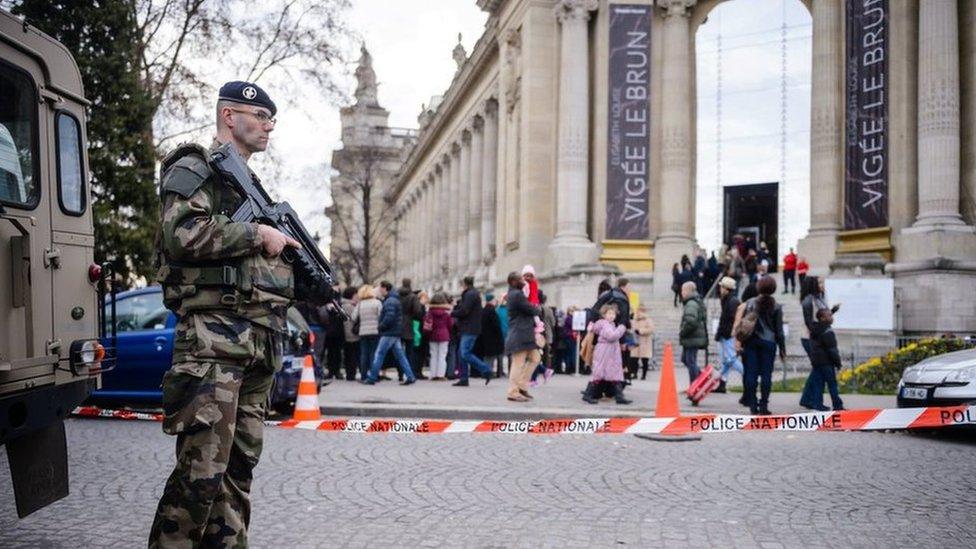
[(262, 116)]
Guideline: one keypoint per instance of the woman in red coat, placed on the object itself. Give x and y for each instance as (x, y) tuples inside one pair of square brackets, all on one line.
[(437, 325)]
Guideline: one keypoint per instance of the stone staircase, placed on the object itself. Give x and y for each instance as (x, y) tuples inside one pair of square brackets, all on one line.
[(667, 320)]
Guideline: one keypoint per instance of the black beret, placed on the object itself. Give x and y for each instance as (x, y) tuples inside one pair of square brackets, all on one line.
[(247, 93)]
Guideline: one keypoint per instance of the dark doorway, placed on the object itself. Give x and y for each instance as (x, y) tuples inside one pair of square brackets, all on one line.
[(753, 210)]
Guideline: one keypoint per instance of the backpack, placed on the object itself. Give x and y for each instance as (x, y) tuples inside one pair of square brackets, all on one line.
[(747, 324)]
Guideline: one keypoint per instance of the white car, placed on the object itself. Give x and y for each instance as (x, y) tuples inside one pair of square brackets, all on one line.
[(944, 380)]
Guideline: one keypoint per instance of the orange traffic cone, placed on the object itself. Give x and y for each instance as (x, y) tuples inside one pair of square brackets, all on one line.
[(667, 393), (307, 402)]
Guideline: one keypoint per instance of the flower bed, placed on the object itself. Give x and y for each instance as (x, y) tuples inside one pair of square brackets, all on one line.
[(880, 375)]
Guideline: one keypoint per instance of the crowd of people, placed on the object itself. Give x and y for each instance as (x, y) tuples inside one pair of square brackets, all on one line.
[(743, 261), (468, 335), (443, 337)]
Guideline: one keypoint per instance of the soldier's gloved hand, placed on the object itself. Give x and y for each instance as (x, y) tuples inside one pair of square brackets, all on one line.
[(274, 241)]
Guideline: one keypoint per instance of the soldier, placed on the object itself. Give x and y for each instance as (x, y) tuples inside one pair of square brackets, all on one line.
[(230, 289)]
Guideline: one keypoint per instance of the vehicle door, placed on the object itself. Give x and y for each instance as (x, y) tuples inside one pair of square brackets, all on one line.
[(27, 347), (71, 250), (145, 346)]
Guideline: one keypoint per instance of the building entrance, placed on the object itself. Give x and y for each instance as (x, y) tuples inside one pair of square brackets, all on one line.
[(753, 211)]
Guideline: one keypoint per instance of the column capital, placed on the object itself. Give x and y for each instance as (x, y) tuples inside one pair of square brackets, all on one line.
[(477, 123), (456, 148), (574, 9), (490, 107), (677, 7), (466, 133)]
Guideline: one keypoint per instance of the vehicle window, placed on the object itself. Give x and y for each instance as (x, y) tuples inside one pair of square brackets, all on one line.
[(139, 312), (18, 120), (71, 183)]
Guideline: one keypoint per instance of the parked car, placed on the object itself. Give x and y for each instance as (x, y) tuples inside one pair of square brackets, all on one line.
[(145, 330), (944, 380)]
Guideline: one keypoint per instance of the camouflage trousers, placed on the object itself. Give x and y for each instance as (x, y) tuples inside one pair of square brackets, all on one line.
[(214, 399)]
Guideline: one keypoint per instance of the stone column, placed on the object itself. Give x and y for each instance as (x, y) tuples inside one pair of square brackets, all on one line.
[(938, 114), (425, 274), (414, 233), (826, 136), (571, 244), (411, 243), (453, 215), (489, 184), (461, 203), (440, 241), (474, 194), (675, 237)]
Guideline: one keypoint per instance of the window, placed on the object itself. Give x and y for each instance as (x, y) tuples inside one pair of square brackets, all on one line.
[(18, 147), (71, 183), (139, 313)]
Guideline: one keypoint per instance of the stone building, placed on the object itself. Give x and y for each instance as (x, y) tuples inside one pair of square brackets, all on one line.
[(567, 140), (362, 221)]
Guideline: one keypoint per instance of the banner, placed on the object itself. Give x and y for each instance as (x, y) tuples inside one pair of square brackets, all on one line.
[(866, 182), (628, 123)]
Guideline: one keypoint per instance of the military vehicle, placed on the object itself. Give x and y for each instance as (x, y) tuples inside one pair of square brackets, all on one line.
[(50, 355)]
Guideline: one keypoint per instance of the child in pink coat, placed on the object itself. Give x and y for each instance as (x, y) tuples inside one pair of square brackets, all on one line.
[(607, 360)]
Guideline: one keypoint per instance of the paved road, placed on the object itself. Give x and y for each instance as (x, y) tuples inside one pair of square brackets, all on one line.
[(731, 490)]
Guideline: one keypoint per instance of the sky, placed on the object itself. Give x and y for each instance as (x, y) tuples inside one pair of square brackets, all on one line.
[(411, 43), (752, 111)]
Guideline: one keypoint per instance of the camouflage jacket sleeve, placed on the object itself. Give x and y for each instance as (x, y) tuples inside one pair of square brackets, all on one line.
[(191, 230)]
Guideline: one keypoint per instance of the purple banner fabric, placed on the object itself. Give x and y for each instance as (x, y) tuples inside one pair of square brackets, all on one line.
[(866, 181), (628, 123)]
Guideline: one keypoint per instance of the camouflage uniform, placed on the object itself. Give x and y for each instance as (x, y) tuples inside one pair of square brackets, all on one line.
[(231, 302)]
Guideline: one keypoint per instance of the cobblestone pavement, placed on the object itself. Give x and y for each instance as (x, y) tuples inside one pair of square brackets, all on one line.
[(728, 490)]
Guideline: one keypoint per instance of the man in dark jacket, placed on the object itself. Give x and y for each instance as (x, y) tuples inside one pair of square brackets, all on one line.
[(617, 296), (390, 330), (491, 342), (467, 313), (412, 311), (730, 358), (694, 333), (334, 335)]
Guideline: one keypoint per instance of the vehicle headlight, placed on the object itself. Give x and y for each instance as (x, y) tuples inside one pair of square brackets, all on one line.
[(83, 353), (962, 375), (909, 375)]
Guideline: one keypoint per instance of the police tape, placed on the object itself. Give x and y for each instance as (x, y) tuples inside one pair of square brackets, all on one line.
[(94, 411), (846, 420)]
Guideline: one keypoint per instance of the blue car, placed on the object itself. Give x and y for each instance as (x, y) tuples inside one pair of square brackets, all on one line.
[(145, 351)]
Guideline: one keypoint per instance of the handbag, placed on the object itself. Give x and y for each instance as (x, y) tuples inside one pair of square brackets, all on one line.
[(355, 326), (587, 347), (747, 324)]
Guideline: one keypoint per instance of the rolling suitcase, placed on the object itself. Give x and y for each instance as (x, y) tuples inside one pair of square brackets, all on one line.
[(704, 384)]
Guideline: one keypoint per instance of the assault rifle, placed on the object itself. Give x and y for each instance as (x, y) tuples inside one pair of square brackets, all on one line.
[(314, 277)]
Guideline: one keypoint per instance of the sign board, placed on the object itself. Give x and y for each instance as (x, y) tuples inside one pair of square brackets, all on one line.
[(629, 122), (865, 303), (866, 131), (579, 321)]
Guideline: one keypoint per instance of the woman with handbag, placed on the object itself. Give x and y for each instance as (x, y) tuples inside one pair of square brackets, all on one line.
[(365, 324), (758, 331), (521, 342)]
